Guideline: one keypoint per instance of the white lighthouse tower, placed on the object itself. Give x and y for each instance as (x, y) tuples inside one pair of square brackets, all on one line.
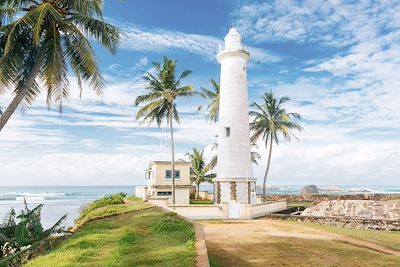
[(234, 183)]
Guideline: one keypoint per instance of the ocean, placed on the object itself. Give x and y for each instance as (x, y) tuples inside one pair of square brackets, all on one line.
[(57, 200), (60, 200)]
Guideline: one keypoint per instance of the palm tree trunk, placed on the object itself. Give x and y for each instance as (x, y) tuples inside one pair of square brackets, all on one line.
[(21, 93), (198, 191), (172, 157), (267, 170)]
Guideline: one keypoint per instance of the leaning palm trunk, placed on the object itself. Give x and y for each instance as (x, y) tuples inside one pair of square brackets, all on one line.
[(172, 158), (267, 170), (198, 191), (21, 93)]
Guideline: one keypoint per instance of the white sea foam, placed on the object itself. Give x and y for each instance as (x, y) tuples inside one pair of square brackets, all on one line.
[(30, 199), (41, 194)]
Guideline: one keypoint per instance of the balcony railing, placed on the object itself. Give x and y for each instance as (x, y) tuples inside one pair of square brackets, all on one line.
[(243, 46)]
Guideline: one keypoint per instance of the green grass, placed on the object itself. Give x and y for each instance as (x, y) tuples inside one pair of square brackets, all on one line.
[(299, 204), (387, 239), (201, 201), (109, 206), (144, 238), (115, 199)]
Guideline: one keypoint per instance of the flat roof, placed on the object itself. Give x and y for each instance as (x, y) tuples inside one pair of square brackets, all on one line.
[(169, 162)]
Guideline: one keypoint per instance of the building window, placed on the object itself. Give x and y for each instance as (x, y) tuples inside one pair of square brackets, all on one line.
[(167, 193), (168, 174), (148, 175), (227, 131)]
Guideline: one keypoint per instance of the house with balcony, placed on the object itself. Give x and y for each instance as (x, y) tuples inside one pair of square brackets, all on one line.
[(159, 182)]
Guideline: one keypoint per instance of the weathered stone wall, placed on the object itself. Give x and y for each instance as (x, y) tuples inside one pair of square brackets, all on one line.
[(361, 209), (366, 224), (323, 197)]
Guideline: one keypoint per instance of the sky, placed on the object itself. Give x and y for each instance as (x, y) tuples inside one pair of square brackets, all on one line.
[(338, 61)]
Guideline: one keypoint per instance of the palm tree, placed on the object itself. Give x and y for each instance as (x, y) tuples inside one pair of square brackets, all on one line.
[(199, 170), (163, 90), (213, 106), (270, 120), (41, 40)]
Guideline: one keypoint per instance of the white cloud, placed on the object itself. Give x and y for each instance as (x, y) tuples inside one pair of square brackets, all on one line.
[(337, 23), (163, 40), (328, 155)]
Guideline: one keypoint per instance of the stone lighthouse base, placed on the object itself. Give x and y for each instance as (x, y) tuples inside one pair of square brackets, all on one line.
[(238, 199), (240, 191)]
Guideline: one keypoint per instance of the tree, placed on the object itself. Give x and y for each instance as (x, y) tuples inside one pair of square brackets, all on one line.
[(160, 101), (199, 170), (22, 235), (213, 105), (41, 40), (269, 120)]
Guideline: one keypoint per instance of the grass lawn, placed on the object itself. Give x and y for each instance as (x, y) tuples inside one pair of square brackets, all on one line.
[(387, 239), (299, 204), (148, 237), (201, 201)]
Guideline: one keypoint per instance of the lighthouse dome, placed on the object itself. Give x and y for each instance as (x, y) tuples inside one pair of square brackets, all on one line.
[(233, 40)]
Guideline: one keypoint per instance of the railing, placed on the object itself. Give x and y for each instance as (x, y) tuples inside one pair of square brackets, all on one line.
[(243, 46)]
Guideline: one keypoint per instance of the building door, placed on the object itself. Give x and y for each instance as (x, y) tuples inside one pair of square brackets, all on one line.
[(233, 210)]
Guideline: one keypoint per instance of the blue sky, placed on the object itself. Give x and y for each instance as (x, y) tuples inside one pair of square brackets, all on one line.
[(337, 60)]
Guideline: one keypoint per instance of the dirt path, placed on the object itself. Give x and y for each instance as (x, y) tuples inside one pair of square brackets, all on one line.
[(250, 230), (351, 240)]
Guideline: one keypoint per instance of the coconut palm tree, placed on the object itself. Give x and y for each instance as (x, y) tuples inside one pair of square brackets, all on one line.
[(199, 170), (160, 101), (42, 40), (213, 105), (270, 120)]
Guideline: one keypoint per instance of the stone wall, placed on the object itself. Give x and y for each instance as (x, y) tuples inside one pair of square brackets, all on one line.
[(366, 224), (356, 209), (323, 197)]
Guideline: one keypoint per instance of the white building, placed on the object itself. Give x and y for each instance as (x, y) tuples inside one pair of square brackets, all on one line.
[(159, 182), (234, 184)]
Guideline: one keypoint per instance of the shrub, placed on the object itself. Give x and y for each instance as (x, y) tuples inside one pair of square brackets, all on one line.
[(23, 235), (115, 199), (172, 223)]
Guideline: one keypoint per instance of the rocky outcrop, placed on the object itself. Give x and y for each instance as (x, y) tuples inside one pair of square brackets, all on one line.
[(309, 190), (357, 209)]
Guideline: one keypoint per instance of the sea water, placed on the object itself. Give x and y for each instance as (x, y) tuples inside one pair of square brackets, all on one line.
[(57, 200), (60, 200)]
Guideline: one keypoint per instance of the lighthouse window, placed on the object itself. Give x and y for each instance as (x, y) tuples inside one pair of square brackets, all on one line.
[(227, 131)]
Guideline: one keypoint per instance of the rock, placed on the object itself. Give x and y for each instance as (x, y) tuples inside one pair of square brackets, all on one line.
[(309, 190), (357, 209)]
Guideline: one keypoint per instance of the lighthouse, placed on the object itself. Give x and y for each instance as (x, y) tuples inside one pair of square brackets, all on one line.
[(234, 184)]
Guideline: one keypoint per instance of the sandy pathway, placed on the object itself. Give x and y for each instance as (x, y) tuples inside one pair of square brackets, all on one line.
[(251, 230)]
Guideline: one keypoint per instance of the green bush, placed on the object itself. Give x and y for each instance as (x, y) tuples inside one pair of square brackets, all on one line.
[(172, 223), (102, 202), (21, 236)]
